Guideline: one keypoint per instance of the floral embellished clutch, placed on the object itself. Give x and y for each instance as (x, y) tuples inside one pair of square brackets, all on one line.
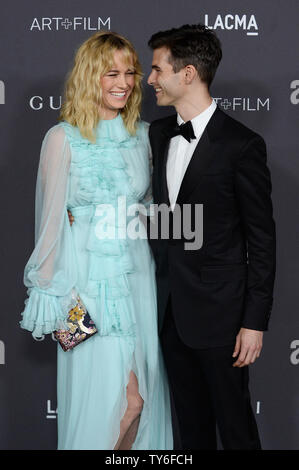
[(81, 327)]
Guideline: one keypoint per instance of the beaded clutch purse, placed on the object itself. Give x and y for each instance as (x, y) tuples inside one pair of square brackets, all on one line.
[(81, 327)]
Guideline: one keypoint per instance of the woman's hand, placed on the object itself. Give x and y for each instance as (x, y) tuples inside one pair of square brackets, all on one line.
[(71, 218)]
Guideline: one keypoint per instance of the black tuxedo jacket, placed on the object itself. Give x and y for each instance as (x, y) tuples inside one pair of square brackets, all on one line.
[(228, 282)]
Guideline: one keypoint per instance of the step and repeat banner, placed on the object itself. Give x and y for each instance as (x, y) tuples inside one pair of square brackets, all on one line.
[(257, 83)]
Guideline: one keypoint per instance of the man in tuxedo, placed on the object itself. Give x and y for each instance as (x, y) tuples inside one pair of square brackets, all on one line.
[(214, 302)]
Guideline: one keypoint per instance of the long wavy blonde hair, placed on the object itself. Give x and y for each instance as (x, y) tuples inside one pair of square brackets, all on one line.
[(83, 94)]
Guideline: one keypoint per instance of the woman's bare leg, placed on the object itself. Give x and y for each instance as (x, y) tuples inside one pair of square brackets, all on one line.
[(130, 421), (130, 435)]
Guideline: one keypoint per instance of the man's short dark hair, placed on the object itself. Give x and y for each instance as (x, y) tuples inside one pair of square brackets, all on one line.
[(194, 45)]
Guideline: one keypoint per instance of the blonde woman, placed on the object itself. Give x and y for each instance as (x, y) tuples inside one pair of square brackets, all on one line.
[(111, 389)]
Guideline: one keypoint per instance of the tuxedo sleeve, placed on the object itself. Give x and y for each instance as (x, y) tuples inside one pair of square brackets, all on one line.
[(253, 189)]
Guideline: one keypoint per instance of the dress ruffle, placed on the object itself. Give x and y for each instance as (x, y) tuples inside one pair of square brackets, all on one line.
[(102, 179), (45, 313)]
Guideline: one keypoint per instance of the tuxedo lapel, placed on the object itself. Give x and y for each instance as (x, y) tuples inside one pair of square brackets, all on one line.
[(163, 173), (164, 141), (202, 157), (199, 161)]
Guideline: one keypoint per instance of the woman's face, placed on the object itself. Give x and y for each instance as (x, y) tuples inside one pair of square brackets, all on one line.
[(117, 85)]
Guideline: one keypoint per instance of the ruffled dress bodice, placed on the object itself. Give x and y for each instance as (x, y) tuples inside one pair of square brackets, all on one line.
[(104, 183), (114, 166), (106, 178)]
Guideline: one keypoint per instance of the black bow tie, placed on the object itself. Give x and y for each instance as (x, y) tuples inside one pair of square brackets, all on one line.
[(186, 130)]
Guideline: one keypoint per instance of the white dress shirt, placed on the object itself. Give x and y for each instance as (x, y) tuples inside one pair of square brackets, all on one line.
[(180, 152)]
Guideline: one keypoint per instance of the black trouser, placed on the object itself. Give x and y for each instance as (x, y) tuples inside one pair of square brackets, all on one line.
[(206, 390)]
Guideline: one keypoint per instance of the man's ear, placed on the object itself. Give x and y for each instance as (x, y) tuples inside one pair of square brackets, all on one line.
[(189, 74)]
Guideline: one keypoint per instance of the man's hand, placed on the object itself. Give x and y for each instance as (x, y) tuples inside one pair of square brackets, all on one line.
[(248, 346), (71, 218)]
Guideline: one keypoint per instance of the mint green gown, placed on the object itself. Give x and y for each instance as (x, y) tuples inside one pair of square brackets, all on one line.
[(105, 258)]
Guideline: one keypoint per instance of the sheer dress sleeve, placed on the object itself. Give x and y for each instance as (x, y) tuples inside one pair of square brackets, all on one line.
[(51, 271)]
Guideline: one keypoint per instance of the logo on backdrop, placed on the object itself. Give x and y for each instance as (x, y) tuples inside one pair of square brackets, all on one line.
[(51, 411), (294, 357), (233, 103), (2, 92), (244, 103), (247, 23), (58, 23), (50, 102), (2, 353), (295, 94)]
